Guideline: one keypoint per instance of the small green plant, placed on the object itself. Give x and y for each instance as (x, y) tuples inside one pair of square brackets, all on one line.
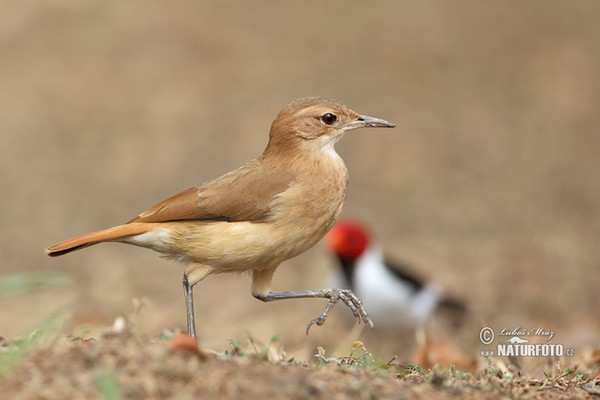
[(363, 360), (236, 348), (21, 283), (19, 348), (271, 351), (108, 384), (410, 368), (322, 358)]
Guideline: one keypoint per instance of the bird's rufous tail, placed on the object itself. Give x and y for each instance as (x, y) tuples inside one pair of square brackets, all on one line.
[(104, 235)]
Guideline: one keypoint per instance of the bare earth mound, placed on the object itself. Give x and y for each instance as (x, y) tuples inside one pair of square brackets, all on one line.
[(124, 365)]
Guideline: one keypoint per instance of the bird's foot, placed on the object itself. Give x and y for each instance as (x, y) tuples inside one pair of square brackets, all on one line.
[(349, 299)]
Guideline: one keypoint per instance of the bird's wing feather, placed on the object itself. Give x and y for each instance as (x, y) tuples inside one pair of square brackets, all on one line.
[(245, 194), (400, 270)]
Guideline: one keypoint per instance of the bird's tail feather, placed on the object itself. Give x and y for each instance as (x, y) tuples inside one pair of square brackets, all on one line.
[(104, 235)]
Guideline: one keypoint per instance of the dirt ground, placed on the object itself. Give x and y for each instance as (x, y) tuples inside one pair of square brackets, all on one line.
[(119, 364), (488, 186)]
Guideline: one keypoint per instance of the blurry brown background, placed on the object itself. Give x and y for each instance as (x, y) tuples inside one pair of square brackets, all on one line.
[(488, 185)]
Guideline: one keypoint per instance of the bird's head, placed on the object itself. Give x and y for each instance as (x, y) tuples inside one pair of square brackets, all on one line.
[(318, 120), (348, 239)]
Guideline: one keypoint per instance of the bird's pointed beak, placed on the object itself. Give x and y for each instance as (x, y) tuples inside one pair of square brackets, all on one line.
[(365, 121)]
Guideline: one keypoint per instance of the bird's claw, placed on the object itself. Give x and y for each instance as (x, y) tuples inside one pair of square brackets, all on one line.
[(349, 299)]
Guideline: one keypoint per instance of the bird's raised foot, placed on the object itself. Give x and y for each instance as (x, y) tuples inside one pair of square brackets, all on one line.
[(349, 299)]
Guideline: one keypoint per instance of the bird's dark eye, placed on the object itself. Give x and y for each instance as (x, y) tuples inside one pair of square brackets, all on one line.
[(328, 118)]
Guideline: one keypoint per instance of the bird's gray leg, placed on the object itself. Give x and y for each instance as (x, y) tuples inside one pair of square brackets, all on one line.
[(333, 295), (189, 305), (193, 274)]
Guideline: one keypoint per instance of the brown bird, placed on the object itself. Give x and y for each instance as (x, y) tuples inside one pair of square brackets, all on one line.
[(253, 218)]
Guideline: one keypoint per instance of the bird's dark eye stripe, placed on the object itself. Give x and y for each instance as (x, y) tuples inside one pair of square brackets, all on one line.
[(328, 118)]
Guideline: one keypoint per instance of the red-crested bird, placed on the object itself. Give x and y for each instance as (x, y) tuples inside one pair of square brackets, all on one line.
[(259, 215), (393, 295)]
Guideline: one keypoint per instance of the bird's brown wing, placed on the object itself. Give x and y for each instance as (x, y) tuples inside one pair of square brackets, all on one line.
[(245, 194)]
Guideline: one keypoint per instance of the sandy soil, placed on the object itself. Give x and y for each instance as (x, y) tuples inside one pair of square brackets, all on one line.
[(123, 365)]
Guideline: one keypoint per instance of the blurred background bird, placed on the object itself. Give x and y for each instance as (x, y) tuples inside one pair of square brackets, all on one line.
[(393, 293), (412, 315)]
